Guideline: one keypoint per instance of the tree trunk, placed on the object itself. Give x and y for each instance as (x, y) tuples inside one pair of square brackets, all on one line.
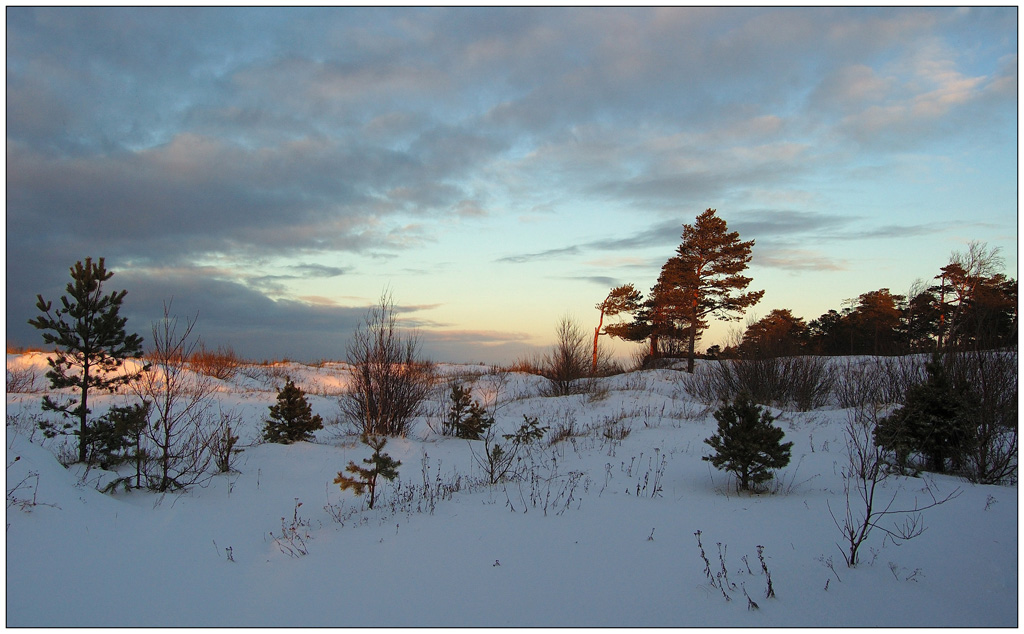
[(85, 411), (597, 333), (693, 337), (690, 352)]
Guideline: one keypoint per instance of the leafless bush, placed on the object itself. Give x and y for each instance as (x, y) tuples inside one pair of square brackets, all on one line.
[(272, 375), (804, 382), (543, 487), (525, 365), (858, 382), (567, 366), (565, 429), (389, 382), (22, 381), (862, 476), (412, 498), (221, 363), (294, 533), (861, 381), (180, 426), (990, 378)]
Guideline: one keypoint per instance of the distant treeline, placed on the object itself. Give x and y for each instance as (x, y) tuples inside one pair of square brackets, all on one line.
[(967, 306)]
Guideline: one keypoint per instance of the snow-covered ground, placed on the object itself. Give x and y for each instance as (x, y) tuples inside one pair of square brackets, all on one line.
[(603, 534)]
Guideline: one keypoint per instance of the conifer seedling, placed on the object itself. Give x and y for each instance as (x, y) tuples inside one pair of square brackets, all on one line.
[(747, 444)]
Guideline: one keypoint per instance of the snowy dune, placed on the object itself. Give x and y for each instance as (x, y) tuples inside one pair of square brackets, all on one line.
[(603, 535)]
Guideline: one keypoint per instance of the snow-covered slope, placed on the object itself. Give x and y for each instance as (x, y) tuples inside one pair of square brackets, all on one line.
[(602, 534)]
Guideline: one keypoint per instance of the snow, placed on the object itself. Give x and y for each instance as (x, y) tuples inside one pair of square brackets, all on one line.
[(490, 555)]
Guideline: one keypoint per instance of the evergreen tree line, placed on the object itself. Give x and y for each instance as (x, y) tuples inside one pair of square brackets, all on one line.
[(968, 304)]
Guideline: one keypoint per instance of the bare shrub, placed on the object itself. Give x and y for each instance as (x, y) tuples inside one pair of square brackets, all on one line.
[(804, 382), (389, 382), (22, 381), (221, 363), (525, 365), (292, 540), (859, 382), (179, 428), (990, 378), (567, 366), (565, 429), (863, 476)]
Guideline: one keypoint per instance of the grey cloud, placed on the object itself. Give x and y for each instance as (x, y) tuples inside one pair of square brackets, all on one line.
[(769, 228), (776, 223), (895, 231), (540, 255), (792, 259), (227, 313), (169, 136), (661, 234), (600, 280), (318, 270)]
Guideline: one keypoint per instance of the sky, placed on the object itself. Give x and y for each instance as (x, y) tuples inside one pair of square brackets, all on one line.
[(272, 172)]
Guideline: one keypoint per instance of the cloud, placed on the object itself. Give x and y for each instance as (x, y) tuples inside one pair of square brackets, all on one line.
[(229, 313), (244, 143), (796, 260), (774, 223), (850, 89), (600, 280), (659, 234), (318, 270), (540, 255)]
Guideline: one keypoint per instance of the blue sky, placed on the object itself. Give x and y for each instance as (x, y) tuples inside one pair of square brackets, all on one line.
[(274, 170)]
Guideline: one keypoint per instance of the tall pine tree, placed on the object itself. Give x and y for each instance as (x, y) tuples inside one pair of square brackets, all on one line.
[(90, 343), (704, 278)]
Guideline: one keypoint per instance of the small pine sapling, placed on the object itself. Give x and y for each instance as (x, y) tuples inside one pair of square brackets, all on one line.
[(747, 444), (499, 459), (116, 439), (223, 446), (292, 419), (935, 420), (466, 418), (365, 478)]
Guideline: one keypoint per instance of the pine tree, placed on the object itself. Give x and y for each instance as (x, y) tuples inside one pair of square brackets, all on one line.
[(381, 465), (116, 437), (706, 275), (467, 418), (702, 279), (292, 419), (747, 444), (934, 420), (91, 344), (621, 299)]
